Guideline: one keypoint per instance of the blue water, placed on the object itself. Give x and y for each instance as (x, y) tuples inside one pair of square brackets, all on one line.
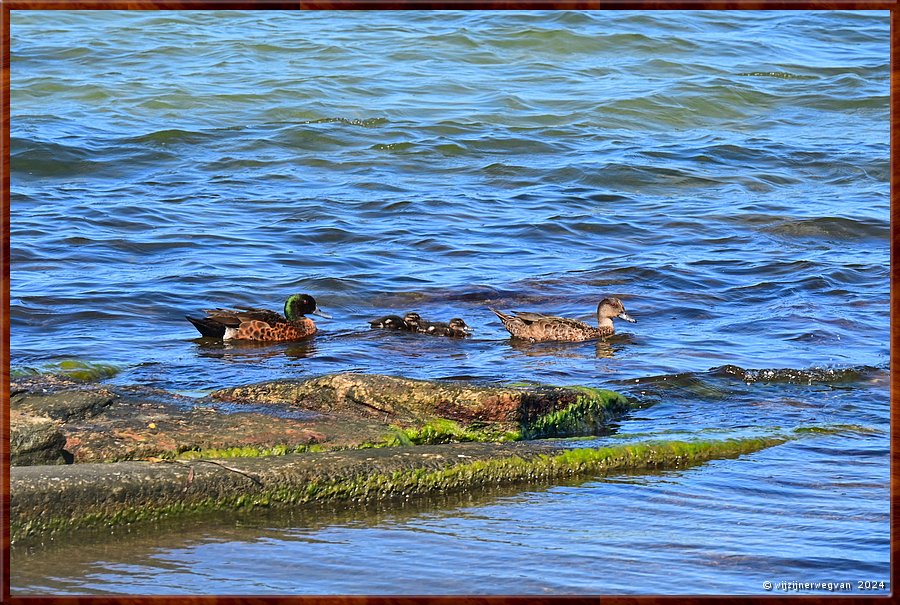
[(725, 174)]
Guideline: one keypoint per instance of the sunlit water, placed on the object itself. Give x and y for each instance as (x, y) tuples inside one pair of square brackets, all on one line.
[(724, 174)]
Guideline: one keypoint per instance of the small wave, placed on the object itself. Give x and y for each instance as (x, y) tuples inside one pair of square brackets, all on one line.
[(365, 123), (89, 157), (692, 382), (44, 158), (831, 228), (173, 136), (718, 383), (781, 75), (796, 376)]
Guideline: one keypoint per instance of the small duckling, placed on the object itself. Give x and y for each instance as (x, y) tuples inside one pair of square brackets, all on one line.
[(409, 322), (456, 328), (391, 322)]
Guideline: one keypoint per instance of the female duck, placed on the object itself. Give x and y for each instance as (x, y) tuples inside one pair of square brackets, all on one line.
[(538, 327), (260, 324)]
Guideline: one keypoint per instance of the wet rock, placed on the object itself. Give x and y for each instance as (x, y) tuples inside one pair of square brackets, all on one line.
[(115, 423), (140, 429), (53, 499), (91, 423), (35, 440), (59, 398), (529, 412)]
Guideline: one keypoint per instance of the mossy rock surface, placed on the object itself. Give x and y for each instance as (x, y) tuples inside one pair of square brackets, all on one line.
[(49, 499), (523, 411)]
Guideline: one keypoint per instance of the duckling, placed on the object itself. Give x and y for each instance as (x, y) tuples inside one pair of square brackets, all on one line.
[(391, 322), (409, 322), (539, 327), (261, 324), (456, 328)]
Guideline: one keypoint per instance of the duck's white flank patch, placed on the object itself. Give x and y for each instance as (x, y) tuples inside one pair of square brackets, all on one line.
[(229, 333)]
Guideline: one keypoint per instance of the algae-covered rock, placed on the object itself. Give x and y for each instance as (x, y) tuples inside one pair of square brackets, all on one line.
[(35, 440), (526, 411), (55, 499)]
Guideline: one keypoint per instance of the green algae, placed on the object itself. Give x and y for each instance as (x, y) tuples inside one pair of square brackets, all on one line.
[(245, 452), (587, 415), (364, 487), (834, 429), (442, 430), (510, 469)]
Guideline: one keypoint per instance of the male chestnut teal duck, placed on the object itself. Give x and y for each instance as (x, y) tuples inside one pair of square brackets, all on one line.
[(455, 328), (538, 327), (260, 324)]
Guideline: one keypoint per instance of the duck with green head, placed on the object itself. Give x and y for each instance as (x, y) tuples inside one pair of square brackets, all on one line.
[(260, 324), (539, 327)]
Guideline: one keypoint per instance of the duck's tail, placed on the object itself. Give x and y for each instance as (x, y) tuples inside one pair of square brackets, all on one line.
[(208, 327), (503, 316)]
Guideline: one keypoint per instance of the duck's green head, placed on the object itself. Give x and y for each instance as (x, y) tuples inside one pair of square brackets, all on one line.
[(298, 305)]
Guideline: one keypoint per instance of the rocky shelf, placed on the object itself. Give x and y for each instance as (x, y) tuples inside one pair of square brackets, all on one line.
[(55, 420), (89, 455)]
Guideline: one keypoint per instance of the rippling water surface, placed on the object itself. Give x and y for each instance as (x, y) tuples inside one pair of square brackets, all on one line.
[(724, 174)]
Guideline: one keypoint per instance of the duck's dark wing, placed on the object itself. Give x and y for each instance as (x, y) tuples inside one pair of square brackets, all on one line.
[(207, 327), (438, 328), (270, 317), (234, 318)]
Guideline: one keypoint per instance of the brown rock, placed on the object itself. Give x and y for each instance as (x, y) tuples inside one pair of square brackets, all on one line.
[(35, 440), (414, 402)]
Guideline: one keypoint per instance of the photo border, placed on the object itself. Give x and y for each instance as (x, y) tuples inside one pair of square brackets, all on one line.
[(496, 5)]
